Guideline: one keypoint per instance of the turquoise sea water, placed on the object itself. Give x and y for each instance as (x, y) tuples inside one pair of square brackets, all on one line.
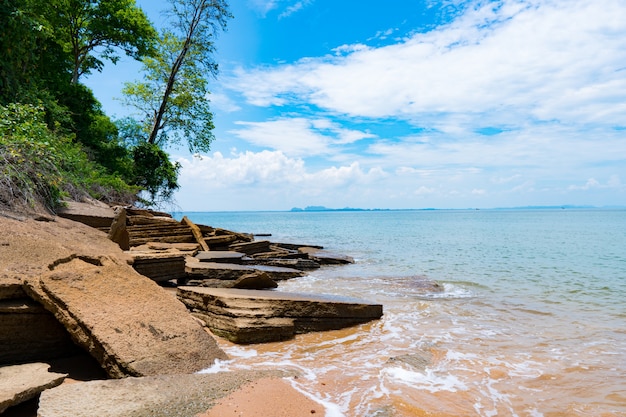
[(531, 322)]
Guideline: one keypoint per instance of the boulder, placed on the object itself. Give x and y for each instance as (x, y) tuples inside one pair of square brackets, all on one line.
[(19, 383), (163, 395), (30, 333), (129, 324), (251, 316)]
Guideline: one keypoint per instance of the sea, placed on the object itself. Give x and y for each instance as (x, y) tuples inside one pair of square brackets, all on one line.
[(530, 318)]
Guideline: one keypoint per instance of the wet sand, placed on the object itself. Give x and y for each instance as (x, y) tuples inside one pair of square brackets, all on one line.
[(268, 397)]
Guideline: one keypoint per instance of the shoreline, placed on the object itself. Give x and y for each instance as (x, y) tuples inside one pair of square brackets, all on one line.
[(249, 398)]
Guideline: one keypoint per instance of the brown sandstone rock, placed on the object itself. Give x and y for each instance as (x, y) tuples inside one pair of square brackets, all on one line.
[(255, 281), (160, 265), (163, 396), (28, 333), (118, 232), (19, 383), (220, 256), (325, 257), (197, 270), (93, 213), (11, 288), (125, 321), (250, 316)]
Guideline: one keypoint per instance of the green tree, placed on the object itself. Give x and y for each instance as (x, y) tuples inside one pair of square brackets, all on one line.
[(93, 30), (172, 98)]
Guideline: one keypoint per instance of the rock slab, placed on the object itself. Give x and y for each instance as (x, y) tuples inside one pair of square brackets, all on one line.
[(255, 316), (19, 383), (162, 396), (129, 324), (30, 333), (198, 270)]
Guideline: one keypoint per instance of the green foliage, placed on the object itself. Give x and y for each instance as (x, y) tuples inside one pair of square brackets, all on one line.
[(38, 167), (83, 27), (187, 117), (58, 141), (154, 172), (27, 52), (173, 97), (94, 130)]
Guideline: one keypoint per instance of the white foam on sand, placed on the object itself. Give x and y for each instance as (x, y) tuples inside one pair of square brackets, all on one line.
[(427, 380)]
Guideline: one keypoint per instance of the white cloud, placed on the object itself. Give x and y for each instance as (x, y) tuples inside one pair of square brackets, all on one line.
[(246, 168), (546, 60), (516, 103), (298, 136), (613, 182), (220, 101), (424, 190), (265, 6), (271, 169), (294, 8)]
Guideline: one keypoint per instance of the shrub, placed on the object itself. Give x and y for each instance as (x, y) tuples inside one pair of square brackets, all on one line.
[(39, 167)]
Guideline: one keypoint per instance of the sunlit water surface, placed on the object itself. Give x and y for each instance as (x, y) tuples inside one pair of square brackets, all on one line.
[(531, 322)]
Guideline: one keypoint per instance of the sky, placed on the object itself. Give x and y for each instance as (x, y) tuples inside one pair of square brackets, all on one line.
[(407, 104)]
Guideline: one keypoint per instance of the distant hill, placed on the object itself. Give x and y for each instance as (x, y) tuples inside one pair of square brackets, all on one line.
[(322, 208)]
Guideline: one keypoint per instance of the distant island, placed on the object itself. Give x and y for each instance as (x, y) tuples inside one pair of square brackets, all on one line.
[(322, 208), (561, 207)]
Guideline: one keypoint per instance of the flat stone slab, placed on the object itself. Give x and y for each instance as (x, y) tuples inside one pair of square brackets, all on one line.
[(19, 383), (325, 257), (250, 248), (254, 316), (93, 214), (163, 396), (196, 269), (220, 256), (129, 324)]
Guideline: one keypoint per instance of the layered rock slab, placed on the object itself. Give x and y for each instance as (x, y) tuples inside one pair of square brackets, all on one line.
[(198, 270), (19, 383), (163, 396), (28, 332), (129, 324), (253, 316)]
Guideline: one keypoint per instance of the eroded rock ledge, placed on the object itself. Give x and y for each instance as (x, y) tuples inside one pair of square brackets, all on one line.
[(253, 316)]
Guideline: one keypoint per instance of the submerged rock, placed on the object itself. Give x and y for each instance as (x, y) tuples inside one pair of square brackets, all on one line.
[(325, 257)]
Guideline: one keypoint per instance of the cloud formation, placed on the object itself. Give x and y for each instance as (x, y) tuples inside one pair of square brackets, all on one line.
[(508, 62), (510, 103)]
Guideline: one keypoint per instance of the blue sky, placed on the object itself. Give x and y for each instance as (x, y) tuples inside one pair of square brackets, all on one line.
[(408, 104)]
